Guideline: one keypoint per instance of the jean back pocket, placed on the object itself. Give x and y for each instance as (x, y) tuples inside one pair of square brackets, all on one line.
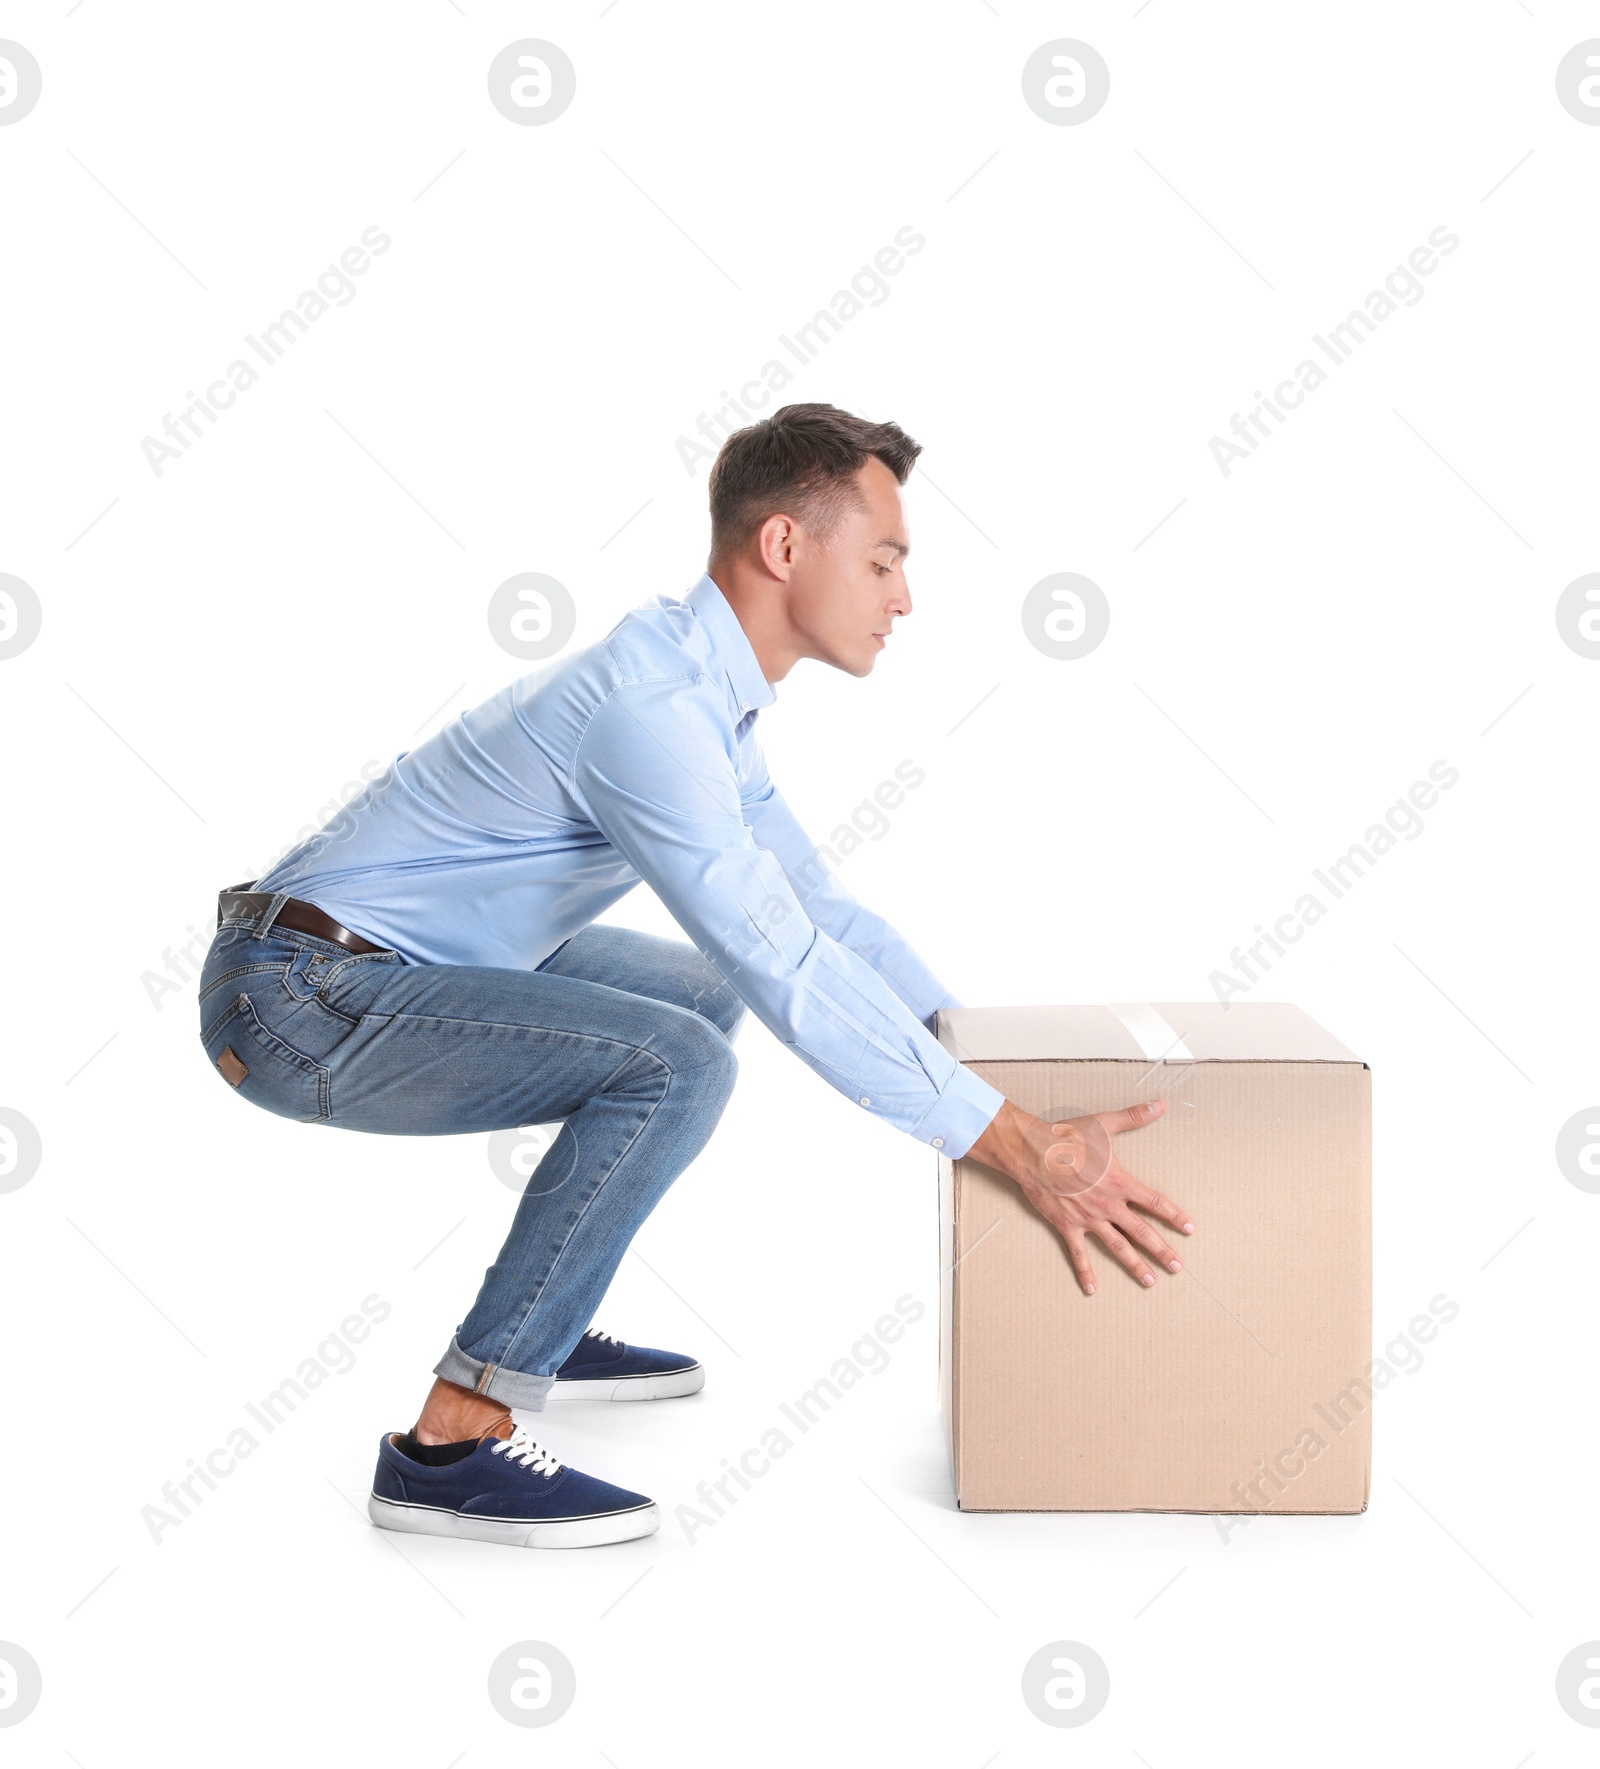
[(258, 1065)]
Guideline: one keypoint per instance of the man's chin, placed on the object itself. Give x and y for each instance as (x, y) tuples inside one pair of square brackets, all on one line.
[(858, 666)]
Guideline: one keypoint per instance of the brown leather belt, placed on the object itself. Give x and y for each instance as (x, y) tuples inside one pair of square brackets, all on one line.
[(303, 918)]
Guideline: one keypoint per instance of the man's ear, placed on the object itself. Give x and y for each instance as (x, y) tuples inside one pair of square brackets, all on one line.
[(777, 541)]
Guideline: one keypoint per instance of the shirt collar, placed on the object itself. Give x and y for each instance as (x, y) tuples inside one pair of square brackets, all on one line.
[(732, 649)]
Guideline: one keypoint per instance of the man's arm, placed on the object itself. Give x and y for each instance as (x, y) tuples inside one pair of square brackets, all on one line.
[(657, 778), (1066, 1171), (656, 773)]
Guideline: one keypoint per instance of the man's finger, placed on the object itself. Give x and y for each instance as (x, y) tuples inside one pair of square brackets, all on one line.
[(1131, 1117), (1126, 1255), (1137, 1229), (1078, 1253), (1158, 1204)]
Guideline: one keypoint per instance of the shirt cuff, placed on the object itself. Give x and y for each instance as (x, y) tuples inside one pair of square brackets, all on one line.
[(965, 1109)]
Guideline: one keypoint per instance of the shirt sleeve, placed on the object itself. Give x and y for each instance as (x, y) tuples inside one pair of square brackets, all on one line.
[(831, 907), (657, 773)]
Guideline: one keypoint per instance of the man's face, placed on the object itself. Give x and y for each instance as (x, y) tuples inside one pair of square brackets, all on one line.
[(844, 595)]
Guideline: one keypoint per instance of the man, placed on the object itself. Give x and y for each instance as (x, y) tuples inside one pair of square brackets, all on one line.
[(429, 963)]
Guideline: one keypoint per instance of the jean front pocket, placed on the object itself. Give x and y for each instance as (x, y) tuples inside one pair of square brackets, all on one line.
[(351, 986), (257, 1064)]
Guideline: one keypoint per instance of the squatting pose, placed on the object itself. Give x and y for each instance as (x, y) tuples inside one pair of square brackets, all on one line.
[(429, 963)]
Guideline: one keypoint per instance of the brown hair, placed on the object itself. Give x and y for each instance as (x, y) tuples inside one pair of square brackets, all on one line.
[(801, 461)]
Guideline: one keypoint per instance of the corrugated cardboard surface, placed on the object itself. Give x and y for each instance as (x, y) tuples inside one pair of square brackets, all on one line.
[(1237, 1385)]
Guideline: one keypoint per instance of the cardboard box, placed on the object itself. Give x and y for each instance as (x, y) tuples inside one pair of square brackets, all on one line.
[(1237, 1385)]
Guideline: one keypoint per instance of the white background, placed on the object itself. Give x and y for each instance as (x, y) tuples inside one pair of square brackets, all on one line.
[(1291, 646)]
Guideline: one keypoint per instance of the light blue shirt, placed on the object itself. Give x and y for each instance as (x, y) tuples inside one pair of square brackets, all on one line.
[(523, 819)]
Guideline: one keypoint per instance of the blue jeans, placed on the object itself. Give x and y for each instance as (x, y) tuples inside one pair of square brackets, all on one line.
[(622, 1035)]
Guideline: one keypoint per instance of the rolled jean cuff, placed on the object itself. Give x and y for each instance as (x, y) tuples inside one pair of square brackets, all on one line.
[(511, 1387)]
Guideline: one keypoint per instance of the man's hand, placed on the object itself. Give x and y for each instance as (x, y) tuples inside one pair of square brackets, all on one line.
[(1069, 1174)]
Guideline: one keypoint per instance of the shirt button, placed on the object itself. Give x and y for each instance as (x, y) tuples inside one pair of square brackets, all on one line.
[(744, 706), (938, 1142), (865, 1101)]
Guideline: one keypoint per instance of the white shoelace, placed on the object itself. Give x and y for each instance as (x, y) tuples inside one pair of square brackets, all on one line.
[(519, 1447), (607, 1338)]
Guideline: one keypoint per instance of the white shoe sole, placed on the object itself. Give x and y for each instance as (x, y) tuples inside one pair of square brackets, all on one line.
[(676, 1382), (567, 1532)]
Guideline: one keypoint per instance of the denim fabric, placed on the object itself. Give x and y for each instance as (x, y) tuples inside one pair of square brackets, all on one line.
[(622, 1035)]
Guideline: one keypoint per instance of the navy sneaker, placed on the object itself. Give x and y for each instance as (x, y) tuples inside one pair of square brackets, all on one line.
[(603, 1368), (500, 1490)]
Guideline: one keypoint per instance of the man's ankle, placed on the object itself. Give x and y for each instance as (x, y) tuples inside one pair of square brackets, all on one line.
[(452, 1414)]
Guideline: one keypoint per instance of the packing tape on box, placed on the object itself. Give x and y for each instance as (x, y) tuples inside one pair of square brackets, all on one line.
[(1154, 1037)]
